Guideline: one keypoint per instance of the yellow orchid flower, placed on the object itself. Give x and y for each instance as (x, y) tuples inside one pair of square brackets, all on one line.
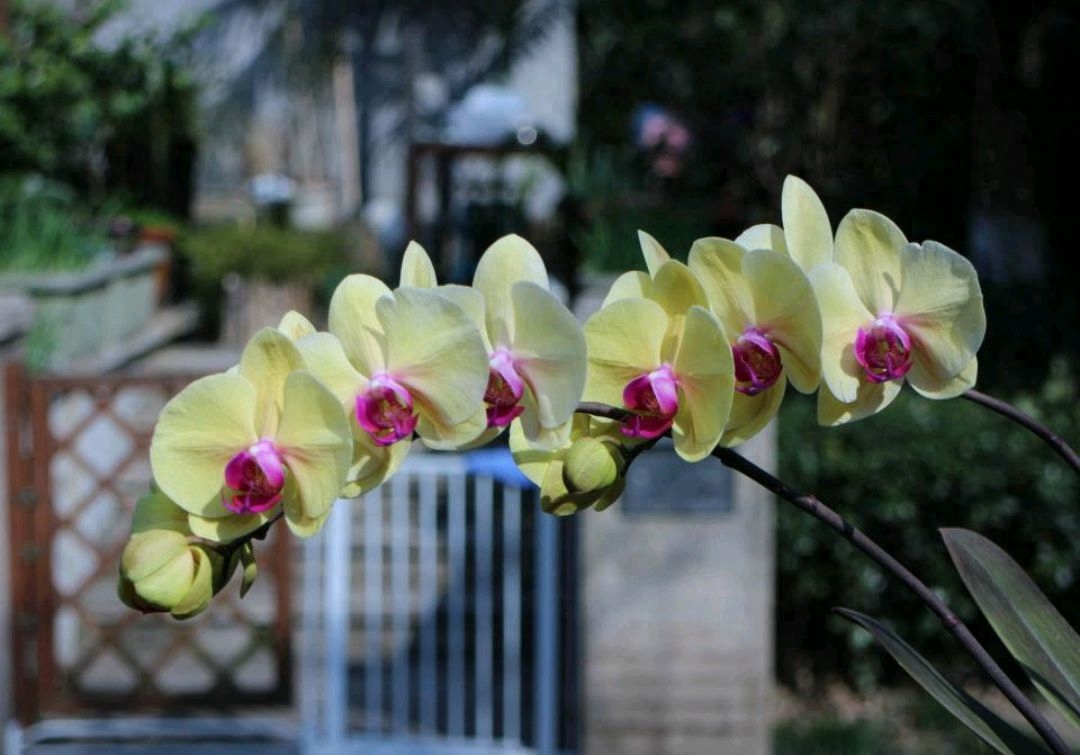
[(535, 347), (233, 449), (806, 235), (657, 349), (398, 362), (893, 311), (770, 313)]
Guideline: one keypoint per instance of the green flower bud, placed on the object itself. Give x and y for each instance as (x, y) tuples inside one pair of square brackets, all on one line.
[(589, 474), (592, 465), (162, 569)]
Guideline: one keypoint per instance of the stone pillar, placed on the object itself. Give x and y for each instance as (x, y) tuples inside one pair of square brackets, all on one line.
[(678, 610)]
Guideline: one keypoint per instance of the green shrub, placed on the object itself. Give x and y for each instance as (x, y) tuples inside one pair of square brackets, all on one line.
[(43, 227), (264, 253), (899, 476)]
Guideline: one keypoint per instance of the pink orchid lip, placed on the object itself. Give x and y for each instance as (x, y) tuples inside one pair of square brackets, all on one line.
[(257, 477), (655, 397), (385, 410), (504, 389), (883, 350), (757, 362)]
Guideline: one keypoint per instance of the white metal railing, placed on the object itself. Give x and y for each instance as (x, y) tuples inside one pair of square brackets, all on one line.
[(415, 599)]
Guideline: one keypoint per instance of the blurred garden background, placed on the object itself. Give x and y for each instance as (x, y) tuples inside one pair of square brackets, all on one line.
[(272, 146)]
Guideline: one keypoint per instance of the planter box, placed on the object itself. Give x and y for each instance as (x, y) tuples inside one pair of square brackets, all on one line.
[(81, 313)]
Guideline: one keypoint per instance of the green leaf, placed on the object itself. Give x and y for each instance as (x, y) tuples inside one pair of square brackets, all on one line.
[(1029, 625), (986, 724)]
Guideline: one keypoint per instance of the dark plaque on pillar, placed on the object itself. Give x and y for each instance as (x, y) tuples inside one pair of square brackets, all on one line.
[(662, 484)]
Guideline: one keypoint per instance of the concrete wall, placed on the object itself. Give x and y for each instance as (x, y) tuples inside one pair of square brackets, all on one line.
[(678, 620)]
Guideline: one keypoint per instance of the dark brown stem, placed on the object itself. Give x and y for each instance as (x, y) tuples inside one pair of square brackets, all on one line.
[(814, 507), (1050, 438)]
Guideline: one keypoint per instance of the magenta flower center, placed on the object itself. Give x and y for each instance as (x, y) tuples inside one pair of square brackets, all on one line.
[(654, 397), (883, 350), (255, 478), (504, 389), (385, 410), (757, 362)]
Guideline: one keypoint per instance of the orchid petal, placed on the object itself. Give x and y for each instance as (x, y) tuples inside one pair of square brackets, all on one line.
[(941, 308), (295, 326), (316, 443), (156, 511), (807, 231), (787, 311), (624, 340), (434, 349), (198, 432), (868, 247), (509, 260), (633, 284), (676, 289), (532, 461), (372, 464), (929, 385), (442, 436), (542, 437), (750, 414), (549, 350), (766, 236), (472, 301), (416, 268), (870, 399), (842, 314), (706, 376), (298, 522), (326, 360), (655, 254), (718, 265), (267, 360), (352, 319), (227, 528)]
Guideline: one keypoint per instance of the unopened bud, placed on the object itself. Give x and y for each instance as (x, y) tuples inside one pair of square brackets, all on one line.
[(160, 571), (591, 465)]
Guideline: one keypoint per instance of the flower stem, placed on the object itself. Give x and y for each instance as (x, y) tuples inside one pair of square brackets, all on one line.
[(1005, 409), (814, 507)]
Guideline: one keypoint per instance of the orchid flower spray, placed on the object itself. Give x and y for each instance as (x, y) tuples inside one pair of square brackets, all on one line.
[(657, 349), (402, 362), (893, 311), (234, 449), (770, 314), (535, 347)]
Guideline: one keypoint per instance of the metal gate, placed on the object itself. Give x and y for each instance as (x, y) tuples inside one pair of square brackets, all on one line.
[(77, 460), (439, 618)]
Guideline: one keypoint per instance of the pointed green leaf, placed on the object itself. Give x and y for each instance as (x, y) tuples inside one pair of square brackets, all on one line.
[(1029, 625), (986, 724)]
